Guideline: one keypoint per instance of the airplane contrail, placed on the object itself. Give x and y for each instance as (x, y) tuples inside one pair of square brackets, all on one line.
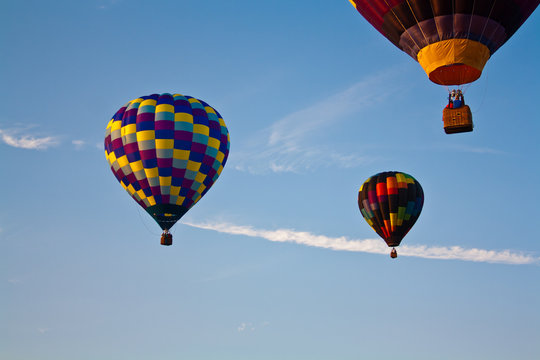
[(373, 246)]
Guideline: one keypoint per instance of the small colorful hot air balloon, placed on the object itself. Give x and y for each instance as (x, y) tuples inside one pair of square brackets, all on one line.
[(391, 203), (166, 151)]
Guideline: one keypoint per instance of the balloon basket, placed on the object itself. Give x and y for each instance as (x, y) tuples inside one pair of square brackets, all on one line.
[(393, 253), (457, 120), (166, 239)]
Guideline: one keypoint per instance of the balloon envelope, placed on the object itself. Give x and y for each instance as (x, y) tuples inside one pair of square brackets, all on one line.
[(166, 151), (391, 203), (451, 39)]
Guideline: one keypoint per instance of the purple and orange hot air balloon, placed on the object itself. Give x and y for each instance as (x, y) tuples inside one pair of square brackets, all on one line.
[(451, 39)]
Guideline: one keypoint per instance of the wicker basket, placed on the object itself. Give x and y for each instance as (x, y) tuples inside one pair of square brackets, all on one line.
[(166, 239), (457, 120)]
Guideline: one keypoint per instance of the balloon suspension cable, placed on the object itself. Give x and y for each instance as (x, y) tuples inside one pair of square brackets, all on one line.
[(485, 77), (465, 87), (393, 253), (143, 221)]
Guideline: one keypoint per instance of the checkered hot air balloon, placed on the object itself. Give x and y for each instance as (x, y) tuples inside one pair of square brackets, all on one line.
[(391, 203), (166, 151)]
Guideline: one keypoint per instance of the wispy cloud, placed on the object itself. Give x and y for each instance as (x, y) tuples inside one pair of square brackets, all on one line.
[(79, 144), (248, 326), (105, 4), (245, 326), (474, 149), (287, 146), (19, 138), (83, 144), (43, 330), (374, 246)]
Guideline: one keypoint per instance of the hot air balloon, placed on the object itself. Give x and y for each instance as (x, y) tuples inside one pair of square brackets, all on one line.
[(391, 203), (166, 151), (451, 39)]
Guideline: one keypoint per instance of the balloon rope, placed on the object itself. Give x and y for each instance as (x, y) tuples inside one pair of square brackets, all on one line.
[(465, 88), (144, 223), (487, 19), (511, 20), (417, 23), (470, 20), (400, 23), (486, 77), (436, 25), (468, 33), (453, 19)]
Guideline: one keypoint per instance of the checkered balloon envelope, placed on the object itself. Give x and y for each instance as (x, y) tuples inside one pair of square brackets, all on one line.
[(166, 151), (391, 202)]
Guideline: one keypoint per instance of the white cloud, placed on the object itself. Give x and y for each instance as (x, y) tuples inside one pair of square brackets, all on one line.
[(298, 124), (79, 144), (287, 146), (105, 4), (476, 150), (13, 137), (247, 326), (43, 330), (374, 246)]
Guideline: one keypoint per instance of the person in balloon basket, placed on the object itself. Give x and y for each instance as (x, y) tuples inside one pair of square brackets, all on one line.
[(451, 96), (166, 237), (458, 99), (455, 100)]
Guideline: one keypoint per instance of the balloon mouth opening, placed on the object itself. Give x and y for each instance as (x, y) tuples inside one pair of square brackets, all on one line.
[(453, 61), (166, 215), (455, 74), (392, 243)]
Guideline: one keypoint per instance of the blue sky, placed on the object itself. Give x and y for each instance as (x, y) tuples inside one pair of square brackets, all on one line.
[(275, 262)]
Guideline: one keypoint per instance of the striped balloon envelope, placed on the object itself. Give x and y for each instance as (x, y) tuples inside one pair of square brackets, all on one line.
[(166, 151), (452, 40), (391, 203)]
